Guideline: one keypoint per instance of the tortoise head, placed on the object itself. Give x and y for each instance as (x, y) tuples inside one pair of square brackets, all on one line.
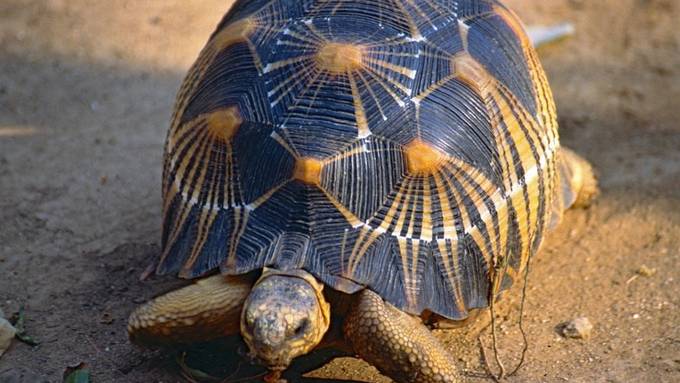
[(284, 316)]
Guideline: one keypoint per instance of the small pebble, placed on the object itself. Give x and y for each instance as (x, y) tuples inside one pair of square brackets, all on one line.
[(645, 271), (579, 328)]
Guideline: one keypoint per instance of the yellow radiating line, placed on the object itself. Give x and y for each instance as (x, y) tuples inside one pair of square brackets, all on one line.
[(342, 156), (280, 64), (256, 56), (533, 137), (403, 252), (415, 32), (508, 163), (402, 208), (451, 275), (463, 30), (295, 79), (389, 216), (526, 157), (306, 38), (376, 76), (390, 41), (294, 44), (503, 227), (479, 201), (426, 225), (172, 237), (202, 164), (343, 245), (211, 197), (236, 234), (415, 251), (175, 134), (363, 232), (349, 216), (517, 200), (206, 219), (410, 73), (372, 94), (285, 145), (464, 217), (266, 196), (442, 11), (469, 227), (391, 54), (320, 83), (412, 219), (184, 174), (230, 180), (362, 123), (532, 125), (382, 77), (447, 212), (422, 13), (424, 94), (320, 36), (367, 243), (192, 80), (304, 91)]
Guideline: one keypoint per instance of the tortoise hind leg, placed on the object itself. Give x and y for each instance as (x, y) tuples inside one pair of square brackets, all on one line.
[(399, 345), (579, 185), (206, 310)]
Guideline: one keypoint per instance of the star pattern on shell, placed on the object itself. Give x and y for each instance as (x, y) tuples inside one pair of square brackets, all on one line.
[(404, 145)]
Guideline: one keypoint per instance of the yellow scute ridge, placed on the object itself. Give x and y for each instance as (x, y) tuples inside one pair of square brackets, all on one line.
[(469, 70), (234, 33), (422, 158), (340, 57), (308, 170), (224, 123)]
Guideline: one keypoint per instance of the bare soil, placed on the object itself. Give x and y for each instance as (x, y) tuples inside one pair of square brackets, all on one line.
[(86, 90)]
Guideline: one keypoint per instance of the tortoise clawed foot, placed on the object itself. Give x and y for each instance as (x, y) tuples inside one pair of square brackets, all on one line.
[(399, 345)]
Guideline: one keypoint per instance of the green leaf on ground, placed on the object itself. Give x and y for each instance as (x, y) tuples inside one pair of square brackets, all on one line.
[(17, 321), (77, 374)]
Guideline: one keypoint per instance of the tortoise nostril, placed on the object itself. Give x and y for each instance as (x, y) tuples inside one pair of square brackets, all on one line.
[(301, 327)]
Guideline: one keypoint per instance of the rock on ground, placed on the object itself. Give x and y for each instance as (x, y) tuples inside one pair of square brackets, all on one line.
[(579, 328)]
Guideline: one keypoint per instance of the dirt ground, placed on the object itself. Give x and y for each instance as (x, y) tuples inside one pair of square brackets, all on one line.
[(86, 90)]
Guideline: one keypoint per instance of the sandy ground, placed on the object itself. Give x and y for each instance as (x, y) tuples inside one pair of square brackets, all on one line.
[(86, 90)]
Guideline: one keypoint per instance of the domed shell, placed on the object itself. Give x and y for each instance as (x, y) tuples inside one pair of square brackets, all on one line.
[(406, 146)]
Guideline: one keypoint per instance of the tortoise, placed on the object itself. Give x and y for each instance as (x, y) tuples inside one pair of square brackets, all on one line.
[(349, 173)]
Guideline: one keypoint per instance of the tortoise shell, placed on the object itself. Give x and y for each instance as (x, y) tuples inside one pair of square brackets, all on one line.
[(406, 146)]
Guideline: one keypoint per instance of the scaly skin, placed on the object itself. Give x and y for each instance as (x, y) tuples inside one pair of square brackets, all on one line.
[(399, 345), (205, 310)]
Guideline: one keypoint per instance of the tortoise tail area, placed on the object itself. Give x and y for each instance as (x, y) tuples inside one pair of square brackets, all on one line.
[(578, 184)]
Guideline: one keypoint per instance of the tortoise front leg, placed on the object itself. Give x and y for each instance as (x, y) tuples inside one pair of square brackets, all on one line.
[(208, 309), (399, 345)]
